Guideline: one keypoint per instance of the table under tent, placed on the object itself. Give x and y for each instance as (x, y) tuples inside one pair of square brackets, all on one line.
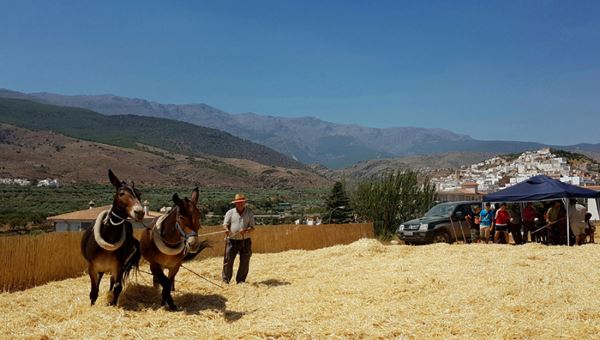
[(543, 188)]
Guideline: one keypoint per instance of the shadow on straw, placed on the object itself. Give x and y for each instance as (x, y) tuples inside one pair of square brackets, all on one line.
[(271, 283), (140, 297)]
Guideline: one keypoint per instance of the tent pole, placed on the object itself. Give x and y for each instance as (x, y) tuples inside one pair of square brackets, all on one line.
[(566, 202)]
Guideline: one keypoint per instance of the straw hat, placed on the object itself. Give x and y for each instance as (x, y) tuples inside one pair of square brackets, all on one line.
[(239, 198)]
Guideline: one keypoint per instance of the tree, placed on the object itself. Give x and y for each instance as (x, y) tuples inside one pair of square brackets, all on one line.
[(338, 205), (391, 199)]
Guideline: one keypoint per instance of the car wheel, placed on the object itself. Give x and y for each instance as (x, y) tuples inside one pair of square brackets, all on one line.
[(441, 237)]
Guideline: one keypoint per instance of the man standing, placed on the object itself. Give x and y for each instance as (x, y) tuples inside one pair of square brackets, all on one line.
[(552, 219), (239, 224), (529, 216), (577, 220), (514, 225), (474, 220)]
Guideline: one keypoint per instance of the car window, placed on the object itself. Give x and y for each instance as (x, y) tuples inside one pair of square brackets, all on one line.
[(444, 209), (464, 209), (468, 208), (474, 206)]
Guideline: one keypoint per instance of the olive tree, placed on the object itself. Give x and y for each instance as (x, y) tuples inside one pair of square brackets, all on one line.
[(391, 199)]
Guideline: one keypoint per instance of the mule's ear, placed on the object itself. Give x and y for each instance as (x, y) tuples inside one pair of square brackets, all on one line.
[(195, 195), (176, 199), (113, 179)]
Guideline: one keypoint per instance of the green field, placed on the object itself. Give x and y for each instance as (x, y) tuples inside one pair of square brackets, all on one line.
[(22, 205)]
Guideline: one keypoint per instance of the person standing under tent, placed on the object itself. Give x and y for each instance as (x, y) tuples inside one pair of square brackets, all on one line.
[(552, 217), (485, 222), (577, 214), (239, 224), (529, 216), (515, 223), (590, 228), (501, 224), (473, 218)]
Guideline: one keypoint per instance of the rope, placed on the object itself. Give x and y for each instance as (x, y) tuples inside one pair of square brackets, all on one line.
[(193, 272), (213, 233), (547, 225), (202, 277)]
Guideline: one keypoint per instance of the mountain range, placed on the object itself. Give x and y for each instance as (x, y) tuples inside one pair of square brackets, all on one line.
[(131, 131), (306, 139)]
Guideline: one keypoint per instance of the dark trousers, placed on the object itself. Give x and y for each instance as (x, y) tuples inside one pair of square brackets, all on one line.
[(528, 228), (515, 230), (232, 248)]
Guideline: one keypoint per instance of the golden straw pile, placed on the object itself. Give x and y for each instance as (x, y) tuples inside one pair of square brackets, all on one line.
[(361, 290)]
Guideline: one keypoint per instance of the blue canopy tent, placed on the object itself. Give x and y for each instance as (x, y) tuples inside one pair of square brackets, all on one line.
[(541, 188)]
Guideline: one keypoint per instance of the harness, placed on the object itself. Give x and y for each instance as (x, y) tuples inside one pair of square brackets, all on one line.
[(108, 218), (170, 248), (98, 237)]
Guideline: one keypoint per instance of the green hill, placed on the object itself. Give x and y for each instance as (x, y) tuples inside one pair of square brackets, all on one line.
[(129, 131)]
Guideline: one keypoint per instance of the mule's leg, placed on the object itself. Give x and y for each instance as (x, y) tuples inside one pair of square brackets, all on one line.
[(172, 273), (95, 279), (155, 280), (112, 282), (118, 285), (166, 285)]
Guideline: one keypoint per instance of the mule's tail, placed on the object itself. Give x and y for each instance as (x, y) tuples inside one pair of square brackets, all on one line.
[(204, 244), (133, 261)]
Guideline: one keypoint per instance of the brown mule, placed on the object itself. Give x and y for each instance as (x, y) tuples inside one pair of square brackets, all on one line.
[(109, 246), (170, 240)]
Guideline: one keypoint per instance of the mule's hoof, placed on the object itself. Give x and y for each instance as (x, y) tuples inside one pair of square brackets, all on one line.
[(173, 308)]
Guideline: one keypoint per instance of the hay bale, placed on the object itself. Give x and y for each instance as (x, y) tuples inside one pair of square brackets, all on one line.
[(364, 289)]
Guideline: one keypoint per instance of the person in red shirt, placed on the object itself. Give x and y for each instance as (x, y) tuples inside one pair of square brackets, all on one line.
[(529, 215), (501, 224)]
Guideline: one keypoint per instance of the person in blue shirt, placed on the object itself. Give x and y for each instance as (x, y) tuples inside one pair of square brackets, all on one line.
[(486, 221)]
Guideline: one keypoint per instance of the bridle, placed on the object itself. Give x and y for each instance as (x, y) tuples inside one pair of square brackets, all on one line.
[(110, 220), (183, 236), (112, 213)]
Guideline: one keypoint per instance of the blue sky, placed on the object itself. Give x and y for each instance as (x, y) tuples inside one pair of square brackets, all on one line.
[(511, 70)]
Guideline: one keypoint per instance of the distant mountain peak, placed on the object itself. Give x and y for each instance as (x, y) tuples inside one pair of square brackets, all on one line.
[(309, 139)]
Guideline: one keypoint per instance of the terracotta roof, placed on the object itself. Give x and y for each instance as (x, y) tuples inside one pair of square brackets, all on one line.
[(92, 214)]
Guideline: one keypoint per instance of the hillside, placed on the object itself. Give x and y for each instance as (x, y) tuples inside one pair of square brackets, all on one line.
[(428, 164), (43, 154), (129, 131)]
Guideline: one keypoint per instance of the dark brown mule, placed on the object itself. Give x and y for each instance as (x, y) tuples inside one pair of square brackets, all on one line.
[(170, 240), (109, 246)]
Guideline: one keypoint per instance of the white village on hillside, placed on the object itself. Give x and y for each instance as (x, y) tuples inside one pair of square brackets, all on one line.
[(498, 173)]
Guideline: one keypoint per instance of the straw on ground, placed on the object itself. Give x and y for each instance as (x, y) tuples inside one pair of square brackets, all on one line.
[(365, 289)]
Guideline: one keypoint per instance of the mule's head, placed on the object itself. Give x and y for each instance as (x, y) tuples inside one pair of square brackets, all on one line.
[(126, 202), (188, 217)]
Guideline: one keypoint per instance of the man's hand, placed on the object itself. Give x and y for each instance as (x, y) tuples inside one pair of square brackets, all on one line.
[(246, 231)]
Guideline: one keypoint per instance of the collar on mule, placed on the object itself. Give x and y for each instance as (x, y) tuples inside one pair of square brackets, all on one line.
[(101, 219), (169, 248)]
